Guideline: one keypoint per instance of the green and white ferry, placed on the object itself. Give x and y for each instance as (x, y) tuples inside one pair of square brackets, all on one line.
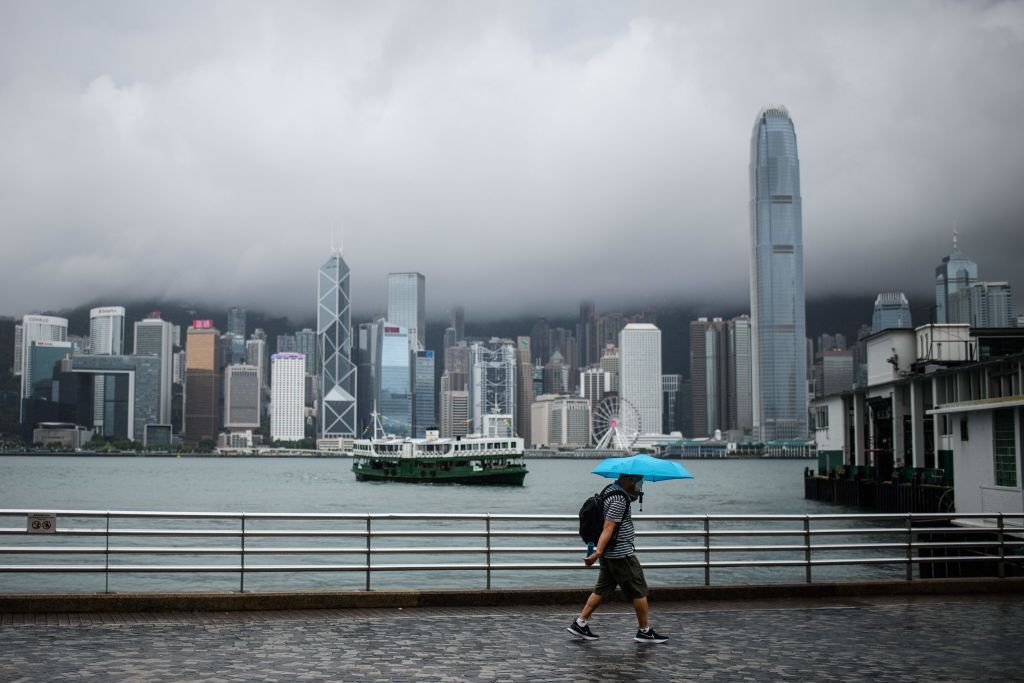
[(473, 459)]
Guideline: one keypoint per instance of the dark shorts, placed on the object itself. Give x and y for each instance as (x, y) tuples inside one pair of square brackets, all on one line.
[(624, 572)]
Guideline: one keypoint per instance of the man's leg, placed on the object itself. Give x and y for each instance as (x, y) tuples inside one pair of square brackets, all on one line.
[(592, 602), (640, 607)]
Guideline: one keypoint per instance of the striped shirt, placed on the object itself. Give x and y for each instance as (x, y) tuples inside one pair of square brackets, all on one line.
[(616, 508)]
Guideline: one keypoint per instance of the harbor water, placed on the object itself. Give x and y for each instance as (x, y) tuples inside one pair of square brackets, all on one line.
[(327, 485)]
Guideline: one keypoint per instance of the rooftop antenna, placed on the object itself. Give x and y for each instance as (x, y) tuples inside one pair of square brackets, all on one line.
[(337, 250), (956, 237)]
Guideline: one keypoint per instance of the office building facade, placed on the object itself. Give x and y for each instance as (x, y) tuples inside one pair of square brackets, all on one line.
[(524, 388), (36, 328), (153, 337), (242, 397), (955, 274), (237, 322), (202, 411), (892, 311), (640, 378), (562, 421), (131, 393), (424, 407), (106, 331), (777, 307), (394, 380), (305, 343), (287, 397), (670, 385), (492, 380), (407, 295), (256, 354)]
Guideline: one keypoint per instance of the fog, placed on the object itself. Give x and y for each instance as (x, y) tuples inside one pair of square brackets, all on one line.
[(522, 156)]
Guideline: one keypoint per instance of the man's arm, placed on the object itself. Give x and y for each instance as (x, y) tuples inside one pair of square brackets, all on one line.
[(602, 542)]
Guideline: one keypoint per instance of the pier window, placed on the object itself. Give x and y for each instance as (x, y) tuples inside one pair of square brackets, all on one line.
[(1004, 431)]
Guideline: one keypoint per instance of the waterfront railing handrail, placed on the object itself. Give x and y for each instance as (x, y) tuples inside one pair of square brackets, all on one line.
[(807, 554)]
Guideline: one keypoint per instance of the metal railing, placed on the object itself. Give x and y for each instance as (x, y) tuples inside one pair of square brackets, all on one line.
[(703, 542)]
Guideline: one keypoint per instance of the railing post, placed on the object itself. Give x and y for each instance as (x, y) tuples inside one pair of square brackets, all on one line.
[(241, 577), (106, 565), (488, 522), (707, 550), (807, 548), (910, 546), (368, 531), (1002, 547)]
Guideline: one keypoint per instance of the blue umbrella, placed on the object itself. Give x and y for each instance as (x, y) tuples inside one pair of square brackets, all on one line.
[(652, 469)]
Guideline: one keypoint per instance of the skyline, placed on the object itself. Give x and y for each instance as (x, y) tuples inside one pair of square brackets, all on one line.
[(506, 150)]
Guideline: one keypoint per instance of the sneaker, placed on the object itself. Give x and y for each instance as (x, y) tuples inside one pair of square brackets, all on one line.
[(583, 632), (650, 636)]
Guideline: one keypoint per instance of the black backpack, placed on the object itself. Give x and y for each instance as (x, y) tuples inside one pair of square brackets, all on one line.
[(592, 516)]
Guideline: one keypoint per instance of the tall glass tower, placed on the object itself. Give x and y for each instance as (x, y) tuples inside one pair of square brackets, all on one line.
[(394, 396), (777, 309), (891, 310), (407, 305), (953, 277), (334, 329)]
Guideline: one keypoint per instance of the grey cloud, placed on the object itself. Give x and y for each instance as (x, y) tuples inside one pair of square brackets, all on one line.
[(520, 155)]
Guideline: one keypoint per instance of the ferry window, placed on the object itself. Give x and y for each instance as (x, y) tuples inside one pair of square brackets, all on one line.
[(1005, 447)]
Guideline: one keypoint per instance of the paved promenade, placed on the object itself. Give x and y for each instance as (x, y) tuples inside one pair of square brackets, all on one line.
[(943, 638)]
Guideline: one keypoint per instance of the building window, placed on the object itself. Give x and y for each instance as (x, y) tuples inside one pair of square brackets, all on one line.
[(1005, 447)]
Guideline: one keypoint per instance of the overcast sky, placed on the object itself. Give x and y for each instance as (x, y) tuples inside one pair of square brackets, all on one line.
[(520, 155)]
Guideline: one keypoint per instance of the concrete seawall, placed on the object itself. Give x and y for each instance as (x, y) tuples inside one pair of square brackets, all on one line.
[(45, 603)]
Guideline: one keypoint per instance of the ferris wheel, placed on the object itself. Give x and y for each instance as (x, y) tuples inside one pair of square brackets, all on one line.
[(615, 423)]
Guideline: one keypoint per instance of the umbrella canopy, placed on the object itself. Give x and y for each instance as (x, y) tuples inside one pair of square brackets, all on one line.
[(652, 469)]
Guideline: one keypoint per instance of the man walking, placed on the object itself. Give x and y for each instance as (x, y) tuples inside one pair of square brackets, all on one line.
[(619, 566)]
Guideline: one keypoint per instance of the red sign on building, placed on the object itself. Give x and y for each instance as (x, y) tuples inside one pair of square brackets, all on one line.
[(202, 324)]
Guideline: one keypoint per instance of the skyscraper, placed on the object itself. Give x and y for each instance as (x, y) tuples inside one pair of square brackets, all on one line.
[(991, 304), (524, 387), (131, 400), (16, 370), (394, 379), (305, 343), (457, 321), (106, 338), (709, 370), (777, 309), (334, 329), (586, 335), (365, 358), (153, 338), (242, 392), (407, 305), (492, 381), (256, 354), (670, 385), (202, 382), (892, 310), (741, 413), (424, 408), (38, 328), (106, 331), (610, 363), (287, 397), (640, 378), (236, 322), (955, 273)]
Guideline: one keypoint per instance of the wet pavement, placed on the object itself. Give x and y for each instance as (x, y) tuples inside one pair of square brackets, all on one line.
[(866, 639)]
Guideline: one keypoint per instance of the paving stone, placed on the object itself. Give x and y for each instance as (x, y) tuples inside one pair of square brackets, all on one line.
[(968, 639)]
